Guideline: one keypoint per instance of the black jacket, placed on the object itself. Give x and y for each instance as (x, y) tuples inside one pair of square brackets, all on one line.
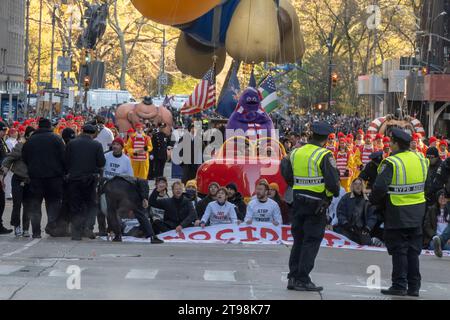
[(176, 211), (442, 178), (330, 175), (347, 212), (241, 207), (432, 172), (44, 155), (370, 173), (202, 204), (395, 217), (430, 223), (84, 157), (3, 150)]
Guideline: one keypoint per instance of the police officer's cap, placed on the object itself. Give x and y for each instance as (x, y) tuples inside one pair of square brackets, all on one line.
[(322, 128), (376, 155), (400, 134), (89, 129)]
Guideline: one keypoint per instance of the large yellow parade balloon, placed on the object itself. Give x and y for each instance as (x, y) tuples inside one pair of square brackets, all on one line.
[(174, 12)]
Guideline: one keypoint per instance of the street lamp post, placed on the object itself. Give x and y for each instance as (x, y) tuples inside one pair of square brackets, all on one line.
[(40, 43), (329, 43), (430, 41), (27, 84), (52, 60)]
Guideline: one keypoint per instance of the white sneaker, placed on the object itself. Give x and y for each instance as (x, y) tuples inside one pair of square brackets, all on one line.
[(26, 234), (18, 232), (377, 242)]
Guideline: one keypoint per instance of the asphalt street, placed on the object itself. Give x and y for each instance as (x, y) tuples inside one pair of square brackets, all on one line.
[(46, 269)]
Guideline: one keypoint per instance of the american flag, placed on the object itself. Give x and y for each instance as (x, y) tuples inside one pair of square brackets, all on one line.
[(204, 95)]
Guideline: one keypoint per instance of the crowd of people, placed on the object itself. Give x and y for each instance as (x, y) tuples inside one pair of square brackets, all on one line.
[(358, 157), (64, 163)]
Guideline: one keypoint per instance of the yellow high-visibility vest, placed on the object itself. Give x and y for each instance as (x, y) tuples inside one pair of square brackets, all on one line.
[(306, 168), (408, 179)]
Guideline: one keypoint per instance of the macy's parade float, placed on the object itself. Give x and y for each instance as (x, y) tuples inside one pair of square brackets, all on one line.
[(250, 152), (251, 31), (131, 114)]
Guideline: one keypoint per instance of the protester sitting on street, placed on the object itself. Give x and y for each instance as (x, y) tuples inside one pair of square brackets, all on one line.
[(191, 193), (19, 182), (356, 218), (219, 211), (44, 156), (235, 197), (263, 209), (156, 214), (274, 194), (436, 230), (202, 204), (179, 212)]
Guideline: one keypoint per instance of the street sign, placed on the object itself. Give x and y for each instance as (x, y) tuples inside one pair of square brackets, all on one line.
[(62, 95), (164, 79), (64, 64), (42, 84)]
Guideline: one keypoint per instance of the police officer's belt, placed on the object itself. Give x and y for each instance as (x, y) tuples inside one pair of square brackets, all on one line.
[(309, 181), (407, 189)]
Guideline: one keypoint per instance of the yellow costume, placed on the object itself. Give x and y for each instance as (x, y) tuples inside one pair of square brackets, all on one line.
[(138, 149)]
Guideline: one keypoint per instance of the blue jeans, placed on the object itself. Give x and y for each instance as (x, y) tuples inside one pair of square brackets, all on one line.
[(445, 236)]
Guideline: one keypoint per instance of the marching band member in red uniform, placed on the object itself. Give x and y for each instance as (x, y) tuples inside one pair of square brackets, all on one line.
[(331, 143), (378, 144), (359, 142), (443, 150), (343, 158), (433, 142), (365, 151)]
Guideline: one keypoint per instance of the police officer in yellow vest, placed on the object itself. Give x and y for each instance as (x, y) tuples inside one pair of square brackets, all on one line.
[(400, 187), (312, 173)]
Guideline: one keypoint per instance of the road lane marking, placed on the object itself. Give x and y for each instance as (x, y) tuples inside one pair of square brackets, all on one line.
[(8, 269), (58, 273), (142, 274), (217, 275), (25, 247)]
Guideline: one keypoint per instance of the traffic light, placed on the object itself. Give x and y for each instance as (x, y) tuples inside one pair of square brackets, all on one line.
[(87, 82), (335, 79), (85, 57)]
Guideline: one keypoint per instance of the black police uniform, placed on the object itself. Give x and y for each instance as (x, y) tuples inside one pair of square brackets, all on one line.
[(84, 161), (442, 178), (403, 231), (159, 141), (308, 226)]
